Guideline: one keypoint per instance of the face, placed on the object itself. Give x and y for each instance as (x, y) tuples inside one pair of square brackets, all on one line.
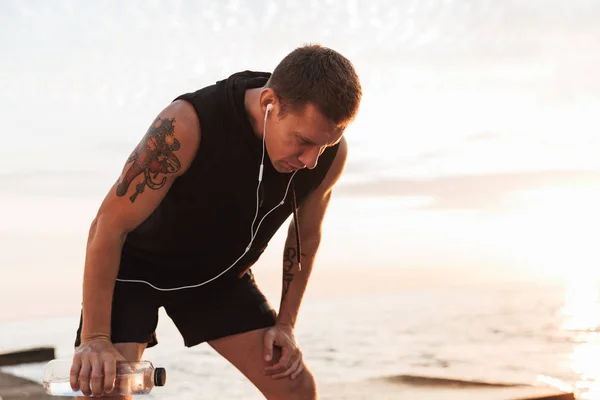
[(297, 140)]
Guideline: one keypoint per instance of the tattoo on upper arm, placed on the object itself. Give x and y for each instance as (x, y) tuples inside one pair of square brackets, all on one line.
[(289, 257), (153, 156)]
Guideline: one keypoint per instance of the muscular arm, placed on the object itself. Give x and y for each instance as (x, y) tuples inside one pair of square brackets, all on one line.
[(164, 153), (310, 219)]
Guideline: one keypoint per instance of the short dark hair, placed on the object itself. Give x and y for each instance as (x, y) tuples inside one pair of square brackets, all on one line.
[(321, 76)]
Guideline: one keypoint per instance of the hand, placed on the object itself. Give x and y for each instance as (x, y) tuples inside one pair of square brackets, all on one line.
[(281, 337), (95, 361)]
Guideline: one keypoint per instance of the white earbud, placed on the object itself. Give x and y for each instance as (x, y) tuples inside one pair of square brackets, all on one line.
[(269, 108), (261, 168)]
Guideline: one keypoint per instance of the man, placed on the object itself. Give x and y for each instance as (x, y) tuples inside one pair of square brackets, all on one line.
[(217, 173)]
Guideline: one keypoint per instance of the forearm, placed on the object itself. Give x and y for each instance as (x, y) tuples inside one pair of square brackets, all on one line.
[(295, 281), (101, 268)]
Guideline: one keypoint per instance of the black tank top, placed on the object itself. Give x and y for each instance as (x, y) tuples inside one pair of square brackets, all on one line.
[(203, 224)]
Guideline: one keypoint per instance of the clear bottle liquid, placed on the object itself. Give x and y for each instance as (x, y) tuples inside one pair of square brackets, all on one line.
[(133, 378)]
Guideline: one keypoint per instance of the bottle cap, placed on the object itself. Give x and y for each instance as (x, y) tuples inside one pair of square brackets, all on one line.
[(160, 376)]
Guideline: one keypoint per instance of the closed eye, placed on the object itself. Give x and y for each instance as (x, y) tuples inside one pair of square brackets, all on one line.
[(307, 142), (303, 141)]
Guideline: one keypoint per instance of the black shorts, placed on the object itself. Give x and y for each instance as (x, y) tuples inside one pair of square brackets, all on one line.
[(208, 312)]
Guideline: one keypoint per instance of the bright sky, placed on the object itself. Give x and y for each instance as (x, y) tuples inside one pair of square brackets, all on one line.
[(476, 146)]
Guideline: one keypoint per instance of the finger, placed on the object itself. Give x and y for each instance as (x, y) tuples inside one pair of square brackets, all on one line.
[(268, 341), (288, 371), (110, 374), (84, 377), (282, 364), (97, 376), (298, 371), (74, 373), (293, 366)]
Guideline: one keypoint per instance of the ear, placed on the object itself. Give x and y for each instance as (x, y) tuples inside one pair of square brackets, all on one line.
[(268, 96)]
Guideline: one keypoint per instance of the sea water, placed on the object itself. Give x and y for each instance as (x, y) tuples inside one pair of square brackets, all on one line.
[(503, 334)]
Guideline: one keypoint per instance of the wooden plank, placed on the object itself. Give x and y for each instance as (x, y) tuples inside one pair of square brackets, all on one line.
[(394, 388), (38, 354), (14, 387)]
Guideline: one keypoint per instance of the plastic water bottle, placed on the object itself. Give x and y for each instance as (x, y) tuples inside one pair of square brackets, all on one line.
[(133, 378)]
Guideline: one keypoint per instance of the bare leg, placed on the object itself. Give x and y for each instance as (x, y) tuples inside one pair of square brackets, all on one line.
[(245, 352)]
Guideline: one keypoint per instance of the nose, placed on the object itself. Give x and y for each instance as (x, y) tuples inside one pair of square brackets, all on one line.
[(310, 157)]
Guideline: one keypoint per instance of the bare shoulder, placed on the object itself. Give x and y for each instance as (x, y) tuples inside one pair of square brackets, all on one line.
[(165, 152), (185, 124), (186, 115)]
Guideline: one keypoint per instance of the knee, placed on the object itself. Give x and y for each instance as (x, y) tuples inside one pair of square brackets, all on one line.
[(303, 387), (306, 386)]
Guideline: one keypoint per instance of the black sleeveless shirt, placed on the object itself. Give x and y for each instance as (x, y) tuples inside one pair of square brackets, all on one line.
[(203, 224)]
